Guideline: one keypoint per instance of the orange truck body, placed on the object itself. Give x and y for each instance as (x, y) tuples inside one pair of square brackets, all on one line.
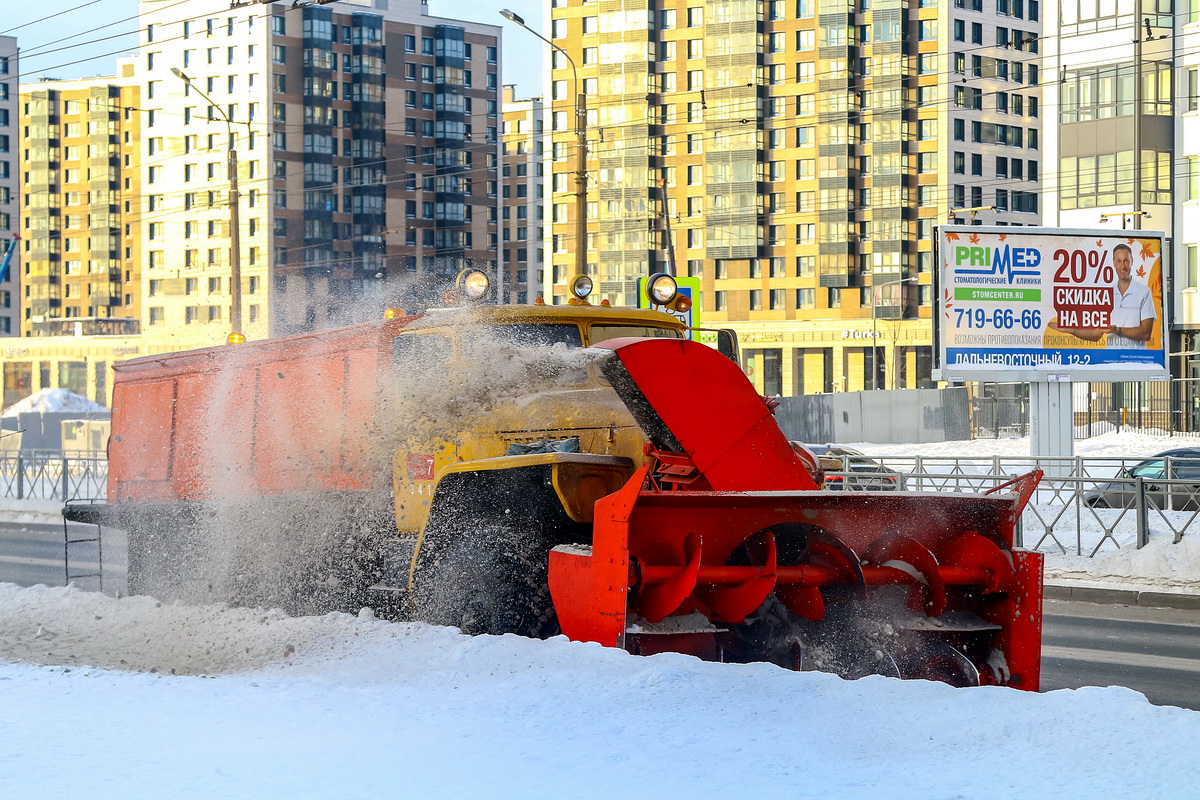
[(294, 414)]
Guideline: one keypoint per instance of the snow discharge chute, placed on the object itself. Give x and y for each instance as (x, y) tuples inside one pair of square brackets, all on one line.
[(722, 546)]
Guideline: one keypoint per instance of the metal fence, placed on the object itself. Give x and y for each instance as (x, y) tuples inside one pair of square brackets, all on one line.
[(1083, 505), (1002, 409), (53, 475)]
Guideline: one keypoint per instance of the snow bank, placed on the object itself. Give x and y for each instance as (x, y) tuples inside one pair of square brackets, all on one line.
[(1126, 444), (46, 401), (263, 705)]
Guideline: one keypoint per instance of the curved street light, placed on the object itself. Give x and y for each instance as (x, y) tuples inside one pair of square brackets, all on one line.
[(580, 147), (912, 279)]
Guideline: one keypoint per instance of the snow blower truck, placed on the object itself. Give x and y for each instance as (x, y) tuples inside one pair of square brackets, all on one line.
[(537, 469)]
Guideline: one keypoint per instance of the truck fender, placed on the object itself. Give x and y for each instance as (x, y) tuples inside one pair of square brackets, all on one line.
[(577, 481)]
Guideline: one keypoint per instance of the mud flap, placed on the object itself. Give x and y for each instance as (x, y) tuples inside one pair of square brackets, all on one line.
[(590, 585)]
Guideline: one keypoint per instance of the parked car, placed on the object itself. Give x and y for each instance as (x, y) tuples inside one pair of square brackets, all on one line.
[(846, 468), (1180, 464)]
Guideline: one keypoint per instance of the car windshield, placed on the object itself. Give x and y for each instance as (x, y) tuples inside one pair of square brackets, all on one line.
[(1148, 469)]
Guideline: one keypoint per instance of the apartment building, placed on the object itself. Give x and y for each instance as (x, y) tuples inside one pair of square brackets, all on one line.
[(522, 193), (367, 145), (81, 261), (9, 185), (799, 154), (1104, 116)]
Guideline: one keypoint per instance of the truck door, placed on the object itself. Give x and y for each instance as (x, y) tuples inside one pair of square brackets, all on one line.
[(422, 450)]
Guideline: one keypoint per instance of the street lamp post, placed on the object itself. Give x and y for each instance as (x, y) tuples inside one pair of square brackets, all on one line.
[(580, 148), (235, 239), (875, 325)]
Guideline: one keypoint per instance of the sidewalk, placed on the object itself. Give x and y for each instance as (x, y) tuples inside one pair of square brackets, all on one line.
[(1120, 595)]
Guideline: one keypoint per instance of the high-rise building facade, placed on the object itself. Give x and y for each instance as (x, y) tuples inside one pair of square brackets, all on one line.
[(795, 155), (81, 260), (1104, 116), (10, 306), (522, 193), (367, 147)]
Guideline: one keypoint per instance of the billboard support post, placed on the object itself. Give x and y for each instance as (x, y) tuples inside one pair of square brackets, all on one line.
[(1052, 425)]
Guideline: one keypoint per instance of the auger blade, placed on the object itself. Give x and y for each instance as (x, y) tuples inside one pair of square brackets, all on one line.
[(972, 551), (938, 661), (732, 603), (660, 596), (911, 557), (823, 550)]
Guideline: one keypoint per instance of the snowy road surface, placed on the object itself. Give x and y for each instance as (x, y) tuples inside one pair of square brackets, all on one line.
[(128, 699), (262, 705), (1153, 650)]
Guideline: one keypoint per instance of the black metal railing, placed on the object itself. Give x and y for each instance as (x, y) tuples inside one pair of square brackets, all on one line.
[(53, 475)]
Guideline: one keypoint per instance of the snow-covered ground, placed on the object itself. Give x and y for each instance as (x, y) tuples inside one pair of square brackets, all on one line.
[(128, 698), (46, 401), (108, 698)]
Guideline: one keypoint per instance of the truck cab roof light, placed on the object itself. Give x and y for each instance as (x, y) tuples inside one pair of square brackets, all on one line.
[(473, 283), (581, 287), (661, 289)]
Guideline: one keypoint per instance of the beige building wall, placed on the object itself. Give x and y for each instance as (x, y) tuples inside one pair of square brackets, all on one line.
[(81, 259), (795, 156), (522, 198), (367, 136)]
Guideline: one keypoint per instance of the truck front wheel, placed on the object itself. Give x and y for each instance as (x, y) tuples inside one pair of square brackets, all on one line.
[(484, 583)]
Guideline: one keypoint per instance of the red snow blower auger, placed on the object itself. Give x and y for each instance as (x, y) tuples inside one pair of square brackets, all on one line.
[(721, 545)]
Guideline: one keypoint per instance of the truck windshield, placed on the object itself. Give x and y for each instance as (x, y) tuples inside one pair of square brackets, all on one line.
[(604, 332), (538, 335)]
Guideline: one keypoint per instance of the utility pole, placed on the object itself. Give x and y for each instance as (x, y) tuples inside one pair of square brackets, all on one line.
[(1137, 121), (236, 334)]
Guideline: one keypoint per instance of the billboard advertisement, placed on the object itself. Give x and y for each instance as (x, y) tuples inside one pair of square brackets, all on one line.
[(1049, 304)]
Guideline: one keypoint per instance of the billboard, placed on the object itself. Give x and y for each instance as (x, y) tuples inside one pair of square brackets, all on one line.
[(1049, 304)]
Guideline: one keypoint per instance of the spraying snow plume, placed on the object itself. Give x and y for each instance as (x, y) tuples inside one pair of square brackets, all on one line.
[(290, 484)]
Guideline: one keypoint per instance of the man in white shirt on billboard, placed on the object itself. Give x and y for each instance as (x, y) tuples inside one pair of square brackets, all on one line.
[(1132, 318)]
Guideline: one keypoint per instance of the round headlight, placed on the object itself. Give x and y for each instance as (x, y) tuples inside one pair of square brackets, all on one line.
[(473, 283), (661, 289), (581, 286)]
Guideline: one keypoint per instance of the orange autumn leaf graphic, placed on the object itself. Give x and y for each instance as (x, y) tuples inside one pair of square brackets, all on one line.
[(1147, 250), (974, 238), (951, 236)]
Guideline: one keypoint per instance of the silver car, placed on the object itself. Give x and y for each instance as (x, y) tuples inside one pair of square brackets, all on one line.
[(1181, 464)]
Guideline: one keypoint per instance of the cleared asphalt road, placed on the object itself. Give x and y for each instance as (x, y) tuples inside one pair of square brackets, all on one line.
[(1153, 650), (34, 552)]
